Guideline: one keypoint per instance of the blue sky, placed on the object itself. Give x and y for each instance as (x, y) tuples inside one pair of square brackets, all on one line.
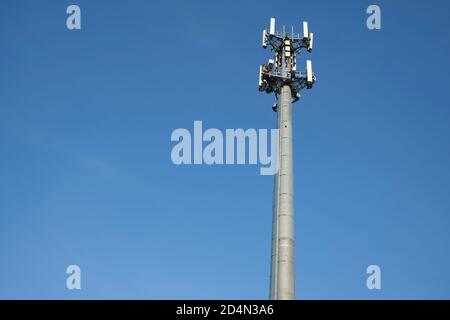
[(86, 175)]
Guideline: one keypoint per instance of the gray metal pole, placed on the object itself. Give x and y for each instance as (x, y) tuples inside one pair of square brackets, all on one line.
[(285, 278), (282, 286)]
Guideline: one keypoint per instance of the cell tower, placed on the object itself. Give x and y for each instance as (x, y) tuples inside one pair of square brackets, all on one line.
[(280, 76)]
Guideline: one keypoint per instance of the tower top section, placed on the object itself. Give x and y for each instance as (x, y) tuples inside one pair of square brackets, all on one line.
[(282, 70)]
